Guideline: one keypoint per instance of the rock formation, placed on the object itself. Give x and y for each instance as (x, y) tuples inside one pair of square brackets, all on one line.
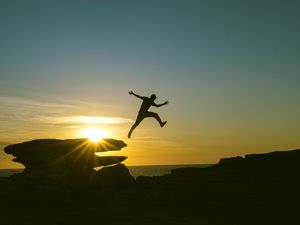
[(253, 189), (70, 161), (278, 165)]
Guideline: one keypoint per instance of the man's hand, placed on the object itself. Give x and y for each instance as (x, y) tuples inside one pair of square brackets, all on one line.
[(159, 105), (132, 93)]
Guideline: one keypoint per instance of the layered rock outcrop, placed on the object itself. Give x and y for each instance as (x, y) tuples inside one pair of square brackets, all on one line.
[(71, 161)]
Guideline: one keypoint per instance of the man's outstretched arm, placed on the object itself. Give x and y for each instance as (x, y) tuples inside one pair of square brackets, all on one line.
[(136, 95), (159, 105)]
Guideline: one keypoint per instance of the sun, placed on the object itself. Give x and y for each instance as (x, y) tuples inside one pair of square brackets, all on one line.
[(94, 134)]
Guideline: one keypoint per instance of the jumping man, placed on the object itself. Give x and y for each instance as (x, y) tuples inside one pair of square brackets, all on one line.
[(143, 113)]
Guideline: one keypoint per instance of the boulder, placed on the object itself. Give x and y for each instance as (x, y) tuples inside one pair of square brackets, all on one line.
[(116, 176)]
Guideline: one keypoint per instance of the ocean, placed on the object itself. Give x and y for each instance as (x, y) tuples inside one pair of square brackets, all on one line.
[(135, 171)]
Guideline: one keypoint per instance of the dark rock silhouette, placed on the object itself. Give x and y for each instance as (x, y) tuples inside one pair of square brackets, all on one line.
[(266, 167), (70, 161), (254, 189), (114, 176)]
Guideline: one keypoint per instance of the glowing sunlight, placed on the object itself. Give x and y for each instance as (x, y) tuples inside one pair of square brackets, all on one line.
[(94, 134)]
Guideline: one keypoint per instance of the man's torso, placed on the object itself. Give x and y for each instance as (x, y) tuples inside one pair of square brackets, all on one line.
[(147, 102)]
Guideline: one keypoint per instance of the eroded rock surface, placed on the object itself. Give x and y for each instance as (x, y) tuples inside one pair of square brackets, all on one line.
[(70, 161)]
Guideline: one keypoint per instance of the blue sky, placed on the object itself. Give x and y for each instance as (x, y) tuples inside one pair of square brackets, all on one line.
[(230, 70)]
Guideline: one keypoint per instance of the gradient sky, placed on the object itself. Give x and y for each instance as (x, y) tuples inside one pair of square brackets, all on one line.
[(230, 70)]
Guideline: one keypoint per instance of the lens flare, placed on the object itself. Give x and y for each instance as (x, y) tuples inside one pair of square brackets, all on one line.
[(94, 134)]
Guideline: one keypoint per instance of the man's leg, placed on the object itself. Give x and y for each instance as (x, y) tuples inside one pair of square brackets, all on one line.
[(137, 122), (156, 116)]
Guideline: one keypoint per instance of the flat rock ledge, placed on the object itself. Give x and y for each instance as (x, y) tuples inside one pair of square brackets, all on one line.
[(70, 163)]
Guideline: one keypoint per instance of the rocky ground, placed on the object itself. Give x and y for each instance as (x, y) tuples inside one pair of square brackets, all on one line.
[(255, 189)]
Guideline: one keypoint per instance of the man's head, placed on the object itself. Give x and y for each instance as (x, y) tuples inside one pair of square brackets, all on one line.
[(153, 97)]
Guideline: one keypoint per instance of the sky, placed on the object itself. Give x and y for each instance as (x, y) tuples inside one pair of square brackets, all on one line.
[(230, 70)]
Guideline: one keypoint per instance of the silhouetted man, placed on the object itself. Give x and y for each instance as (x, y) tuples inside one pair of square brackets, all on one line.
[(143, 112)]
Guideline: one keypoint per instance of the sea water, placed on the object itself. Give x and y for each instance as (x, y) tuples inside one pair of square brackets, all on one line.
[(149, 170), (158, 170)]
